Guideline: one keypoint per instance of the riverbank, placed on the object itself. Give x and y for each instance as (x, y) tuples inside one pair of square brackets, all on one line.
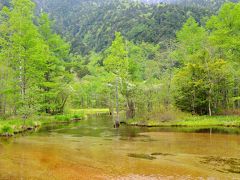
[(189, 121), (16, 125)]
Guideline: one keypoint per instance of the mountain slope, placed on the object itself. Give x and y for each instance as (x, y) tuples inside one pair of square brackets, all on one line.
[(90, 24), (210, 4), (4, 3)]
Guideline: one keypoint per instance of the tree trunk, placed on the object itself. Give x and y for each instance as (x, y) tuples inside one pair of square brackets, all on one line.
[(1, 107), (209, 102), (23, 88), (209, 108), (130, 109), (117, 122), (110, 106)]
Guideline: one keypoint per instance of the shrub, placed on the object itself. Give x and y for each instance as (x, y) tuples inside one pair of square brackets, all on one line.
[(6, 130)]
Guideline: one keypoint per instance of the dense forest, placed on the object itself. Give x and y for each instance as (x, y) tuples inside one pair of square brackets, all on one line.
[(33, 74), (145, 59), (91, 25), (207, 4)]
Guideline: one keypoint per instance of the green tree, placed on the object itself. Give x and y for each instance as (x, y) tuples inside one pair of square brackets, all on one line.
[(204, 79), (56, 78), (33, 61), (116, 62), (224, 31), (25, 53)]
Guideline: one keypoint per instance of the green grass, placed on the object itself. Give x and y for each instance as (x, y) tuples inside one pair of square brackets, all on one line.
[(13, 125), (68, 117), (210, 121), (89, 111), (192, 121), (9, 127)]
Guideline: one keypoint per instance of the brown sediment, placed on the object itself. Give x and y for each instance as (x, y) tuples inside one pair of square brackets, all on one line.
[(142, 156), (161, 154), (61, 156), (223, 164), (46, 163)]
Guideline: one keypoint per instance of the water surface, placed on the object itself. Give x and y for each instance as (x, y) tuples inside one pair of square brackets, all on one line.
[(93, 149)]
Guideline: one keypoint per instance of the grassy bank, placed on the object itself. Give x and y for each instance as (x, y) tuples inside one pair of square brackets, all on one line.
[(191, 121), (15, 125), (89, 111)]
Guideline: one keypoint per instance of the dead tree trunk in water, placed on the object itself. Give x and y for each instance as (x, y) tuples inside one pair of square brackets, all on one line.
[(117, 122), (110, 106)]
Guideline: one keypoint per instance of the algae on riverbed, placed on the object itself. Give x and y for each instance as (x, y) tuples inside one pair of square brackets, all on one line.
[(223, 164), (142, 156)]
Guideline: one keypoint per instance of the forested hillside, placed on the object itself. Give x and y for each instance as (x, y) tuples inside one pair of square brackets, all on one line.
[(4, 3), (90, 25), (208, 4), (141, 58)]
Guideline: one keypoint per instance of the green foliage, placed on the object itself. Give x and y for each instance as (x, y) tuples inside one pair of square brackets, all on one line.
[(203, 83), (192, 87), (23, 53), (90, 25), (6, 129), (13, 126), (224, 37), (224, 29), (56, 78), (213, 5), (63, 117), (33, 76), (191, 39), (117, 60)]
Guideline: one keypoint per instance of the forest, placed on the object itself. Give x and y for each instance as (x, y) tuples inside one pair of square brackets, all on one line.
[(119, 89), (156, 68), (138, 22)]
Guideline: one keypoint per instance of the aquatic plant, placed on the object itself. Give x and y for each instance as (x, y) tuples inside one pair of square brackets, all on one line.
[(142, 156)]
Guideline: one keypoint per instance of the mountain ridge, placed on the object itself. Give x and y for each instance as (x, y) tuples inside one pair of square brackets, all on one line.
[(91, 24)]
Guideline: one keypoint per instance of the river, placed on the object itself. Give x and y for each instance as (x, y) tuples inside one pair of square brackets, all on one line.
[(93, 149)]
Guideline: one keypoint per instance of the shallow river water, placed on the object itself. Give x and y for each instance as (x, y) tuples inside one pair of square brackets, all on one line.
[(93, 149)]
